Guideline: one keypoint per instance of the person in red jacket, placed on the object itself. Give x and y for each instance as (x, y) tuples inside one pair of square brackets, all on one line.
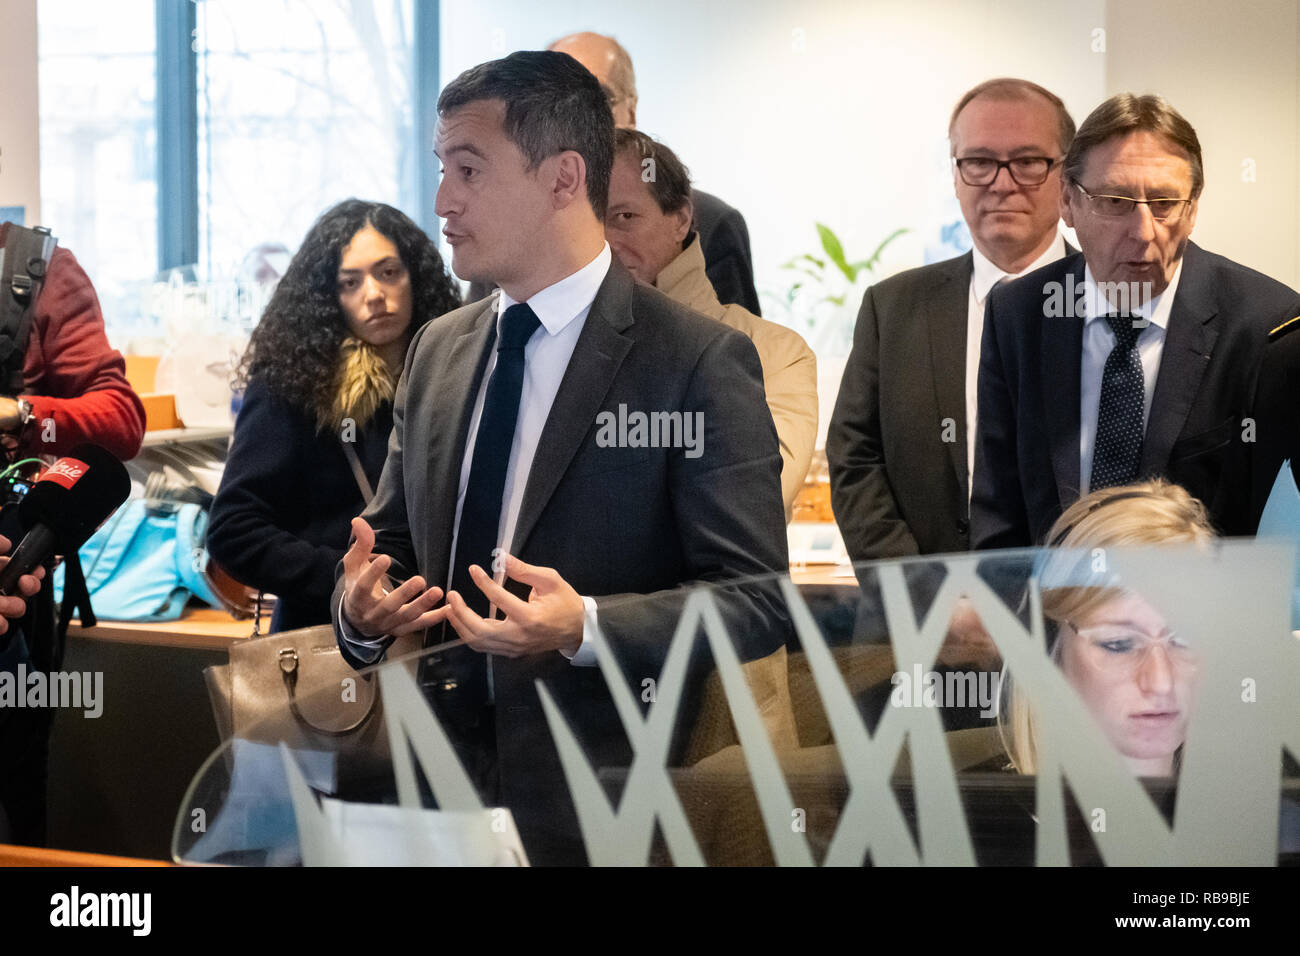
[(74, 390), (74, 382)]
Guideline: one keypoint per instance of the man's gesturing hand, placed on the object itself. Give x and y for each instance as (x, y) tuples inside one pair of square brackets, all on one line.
[(15, 606), (369, 607), (550, 620)]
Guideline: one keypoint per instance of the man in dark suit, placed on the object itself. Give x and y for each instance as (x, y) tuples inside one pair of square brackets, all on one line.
[(1277, 402), (901, 438), (1139, 357), (502, 457)]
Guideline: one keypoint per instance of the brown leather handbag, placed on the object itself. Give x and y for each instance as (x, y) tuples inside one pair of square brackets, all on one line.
[(296, 687)]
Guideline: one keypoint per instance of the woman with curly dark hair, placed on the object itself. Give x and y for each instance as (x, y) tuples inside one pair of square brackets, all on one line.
[(319, 377)]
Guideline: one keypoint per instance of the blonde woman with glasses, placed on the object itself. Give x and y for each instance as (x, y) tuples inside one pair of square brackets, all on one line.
[(1136, 677)]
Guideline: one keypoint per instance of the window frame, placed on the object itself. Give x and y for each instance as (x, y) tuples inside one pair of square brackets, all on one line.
[(176, 115)]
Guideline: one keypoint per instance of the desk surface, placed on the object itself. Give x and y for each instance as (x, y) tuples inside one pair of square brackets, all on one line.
[(11, 855), (823, 574), (200, 628)]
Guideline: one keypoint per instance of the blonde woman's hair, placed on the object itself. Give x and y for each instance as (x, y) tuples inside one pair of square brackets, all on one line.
[(1154, 512)]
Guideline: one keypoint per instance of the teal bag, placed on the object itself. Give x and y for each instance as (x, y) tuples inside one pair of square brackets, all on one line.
[(144, 563)]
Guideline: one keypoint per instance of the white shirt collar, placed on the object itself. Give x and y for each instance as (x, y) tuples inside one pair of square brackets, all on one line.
[(1156, 311), (987, 275), (561, 302)]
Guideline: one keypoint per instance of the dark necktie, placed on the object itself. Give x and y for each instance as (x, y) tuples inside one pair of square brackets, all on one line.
[(480, 515), (460, 676), (1118, 446)]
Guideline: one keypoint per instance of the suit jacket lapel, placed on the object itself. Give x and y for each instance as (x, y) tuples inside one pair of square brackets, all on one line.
[(1189, 342), (1062, 354), (597, 356), (459, 377), (946, 314)]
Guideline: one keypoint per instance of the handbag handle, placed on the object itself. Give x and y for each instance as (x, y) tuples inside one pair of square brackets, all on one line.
[(358, 472), (289, 671)]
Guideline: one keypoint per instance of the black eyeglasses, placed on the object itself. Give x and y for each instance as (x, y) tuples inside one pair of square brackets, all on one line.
[(1114, 207), (1025, 170)]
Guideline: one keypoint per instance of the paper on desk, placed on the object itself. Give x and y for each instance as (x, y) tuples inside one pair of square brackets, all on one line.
[(340, 833), (378, 835)]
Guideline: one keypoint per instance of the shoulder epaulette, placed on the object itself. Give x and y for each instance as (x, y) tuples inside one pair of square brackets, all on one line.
[(1290, 325)]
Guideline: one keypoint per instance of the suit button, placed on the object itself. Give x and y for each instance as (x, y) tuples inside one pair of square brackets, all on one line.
[(963, 526)]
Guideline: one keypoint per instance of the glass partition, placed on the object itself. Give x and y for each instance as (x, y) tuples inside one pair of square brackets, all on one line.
[(1109, 706)]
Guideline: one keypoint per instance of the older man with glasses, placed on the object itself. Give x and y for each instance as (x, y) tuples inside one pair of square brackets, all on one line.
[(1139, 358), (901, 441)]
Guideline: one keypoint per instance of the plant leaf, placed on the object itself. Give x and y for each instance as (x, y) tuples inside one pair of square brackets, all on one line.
[(835, 250)]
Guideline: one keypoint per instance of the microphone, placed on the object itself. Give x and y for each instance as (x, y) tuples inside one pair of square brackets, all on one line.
[(68, 502)]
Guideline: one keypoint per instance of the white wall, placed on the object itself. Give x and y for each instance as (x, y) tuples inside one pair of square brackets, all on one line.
[(837, 111), (802, 112), (20, 183), (1231, 69)]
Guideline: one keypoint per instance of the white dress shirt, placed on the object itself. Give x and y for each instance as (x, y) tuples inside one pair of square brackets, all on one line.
[(1098, 340), (562, 309), (984, 277)]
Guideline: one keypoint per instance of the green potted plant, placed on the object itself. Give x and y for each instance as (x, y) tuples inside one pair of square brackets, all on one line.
[(824, 284)]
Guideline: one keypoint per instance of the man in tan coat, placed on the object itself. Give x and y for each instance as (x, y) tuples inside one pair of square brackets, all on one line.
[(649, 225)]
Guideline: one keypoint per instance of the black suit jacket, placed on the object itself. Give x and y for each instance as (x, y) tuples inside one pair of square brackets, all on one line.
[(1277, 404), (615, 522), (896, 443), (1027, 443), (724, 240), (897, 487)]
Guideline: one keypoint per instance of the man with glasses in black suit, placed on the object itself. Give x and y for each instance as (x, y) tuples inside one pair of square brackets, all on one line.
[(1139, 358)]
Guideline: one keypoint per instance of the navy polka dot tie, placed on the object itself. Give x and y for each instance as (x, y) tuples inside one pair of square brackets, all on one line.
[(1118, 446)]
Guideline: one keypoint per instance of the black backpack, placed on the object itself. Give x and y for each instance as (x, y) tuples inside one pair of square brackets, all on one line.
[(24, 257)]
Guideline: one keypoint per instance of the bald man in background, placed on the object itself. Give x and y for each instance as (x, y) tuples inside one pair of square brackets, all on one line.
[(724, 237)]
